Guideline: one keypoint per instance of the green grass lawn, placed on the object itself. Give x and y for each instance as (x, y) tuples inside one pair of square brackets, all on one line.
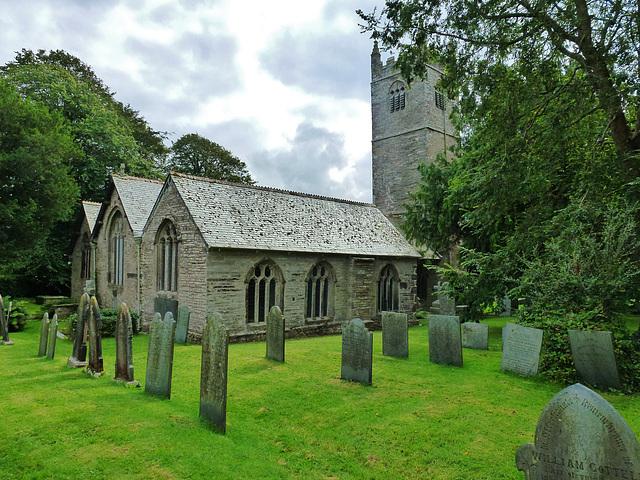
[(292, 420)]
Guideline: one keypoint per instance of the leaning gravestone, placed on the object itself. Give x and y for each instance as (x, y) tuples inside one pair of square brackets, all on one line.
[(581, 436), (78, 358), (445, 340), (594, 359), (475, 336), (395, 334), (213, 376), (44, 335), (53, 335), (4, 326), (124, 345), (357, 352), (521, 349), (160, 355), (182, 326), (275, 334), (96, 363)]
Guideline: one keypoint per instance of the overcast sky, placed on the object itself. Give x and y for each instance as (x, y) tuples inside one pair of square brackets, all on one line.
[(283, 84)]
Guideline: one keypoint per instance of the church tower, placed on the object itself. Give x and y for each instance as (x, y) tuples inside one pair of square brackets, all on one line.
[(410, 125)]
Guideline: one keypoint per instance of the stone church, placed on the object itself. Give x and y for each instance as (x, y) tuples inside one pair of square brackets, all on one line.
[(239, 249)]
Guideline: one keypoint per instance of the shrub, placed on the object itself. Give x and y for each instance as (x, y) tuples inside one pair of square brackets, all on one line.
[(17, 315), (109, 317)]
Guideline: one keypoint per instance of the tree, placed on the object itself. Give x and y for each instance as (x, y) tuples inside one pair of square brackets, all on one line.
[(37, 189), (196, 155)]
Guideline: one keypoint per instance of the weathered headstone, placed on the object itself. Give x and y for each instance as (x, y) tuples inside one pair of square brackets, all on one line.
[(96, 363), (445, 340), (395, 334), (53, 335), (78, 358), (44, 335), (444, 304), (213, 376), (160, 355), (594, 358), (521, 349), (124, 345), (182, 325), (580, 435), (4, 325), (475, 336), (506, 307), (357, 352), (90, 287), (275, 334)]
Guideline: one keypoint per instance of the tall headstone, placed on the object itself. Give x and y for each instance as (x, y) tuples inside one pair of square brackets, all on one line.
[(124, 345), (580, 435), (213, 376), (357, 352), (594, 358), (4, 325), (182, 326), (475, 336), (96, 363), (445, 340), (44, 335), (395, 334), (53, 335), (160, 355), (78, 358), (275, 334), (521, 349)]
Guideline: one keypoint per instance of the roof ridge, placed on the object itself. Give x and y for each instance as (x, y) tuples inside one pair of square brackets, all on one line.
[(89, 202), (271, 189), (131, 177)]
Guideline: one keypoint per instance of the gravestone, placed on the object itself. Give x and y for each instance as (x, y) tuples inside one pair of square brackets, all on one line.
[(4, 325), (445, 340), (53, 335), (165, 305), (124, 345), (594, 359), (357, 352), (475, 336), (78, 358), (182, 326), (395, 334), (160, 355), (581, 436), (520, 349), (275, 334), (213, 375), (506, 307), (90, 287), (96, 363), (44, 335), (445, 304)]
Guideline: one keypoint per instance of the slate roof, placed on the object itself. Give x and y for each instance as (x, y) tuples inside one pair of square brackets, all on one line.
[(138, 196), (246, 216), (91, 210)]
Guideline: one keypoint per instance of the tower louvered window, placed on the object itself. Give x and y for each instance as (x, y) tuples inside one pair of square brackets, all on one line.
[(439, 100), (397, 97), (388, 290)]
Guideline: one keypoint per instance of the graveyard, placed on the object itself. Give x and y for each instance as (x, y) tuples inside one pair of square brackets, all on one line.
[(291, 419)]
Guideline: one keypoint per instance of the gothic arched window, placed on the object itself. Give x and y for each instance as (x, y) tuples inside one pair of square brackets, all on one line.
[(265, 288), (320, 290), (167, 251), (388, 289), (85, 268), (397, 97), (116, 249)]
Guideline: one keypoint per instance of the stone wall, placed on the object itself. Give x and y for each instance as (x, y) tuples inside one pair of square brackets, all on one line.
[(78, 283)]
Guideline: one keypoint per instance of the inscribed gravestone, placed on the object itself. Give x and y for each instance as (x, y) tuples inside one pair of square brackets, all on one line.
[(357, 352), (79, 356), (275, 334), (4, 325), (395, 334), (445, 340), (160, 355), (44, 335), (53, 335), (182, 326), (520, 349), (580, 435), (124, 345), (475, 336), (594, 359), (213, 376), (96, 363)]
